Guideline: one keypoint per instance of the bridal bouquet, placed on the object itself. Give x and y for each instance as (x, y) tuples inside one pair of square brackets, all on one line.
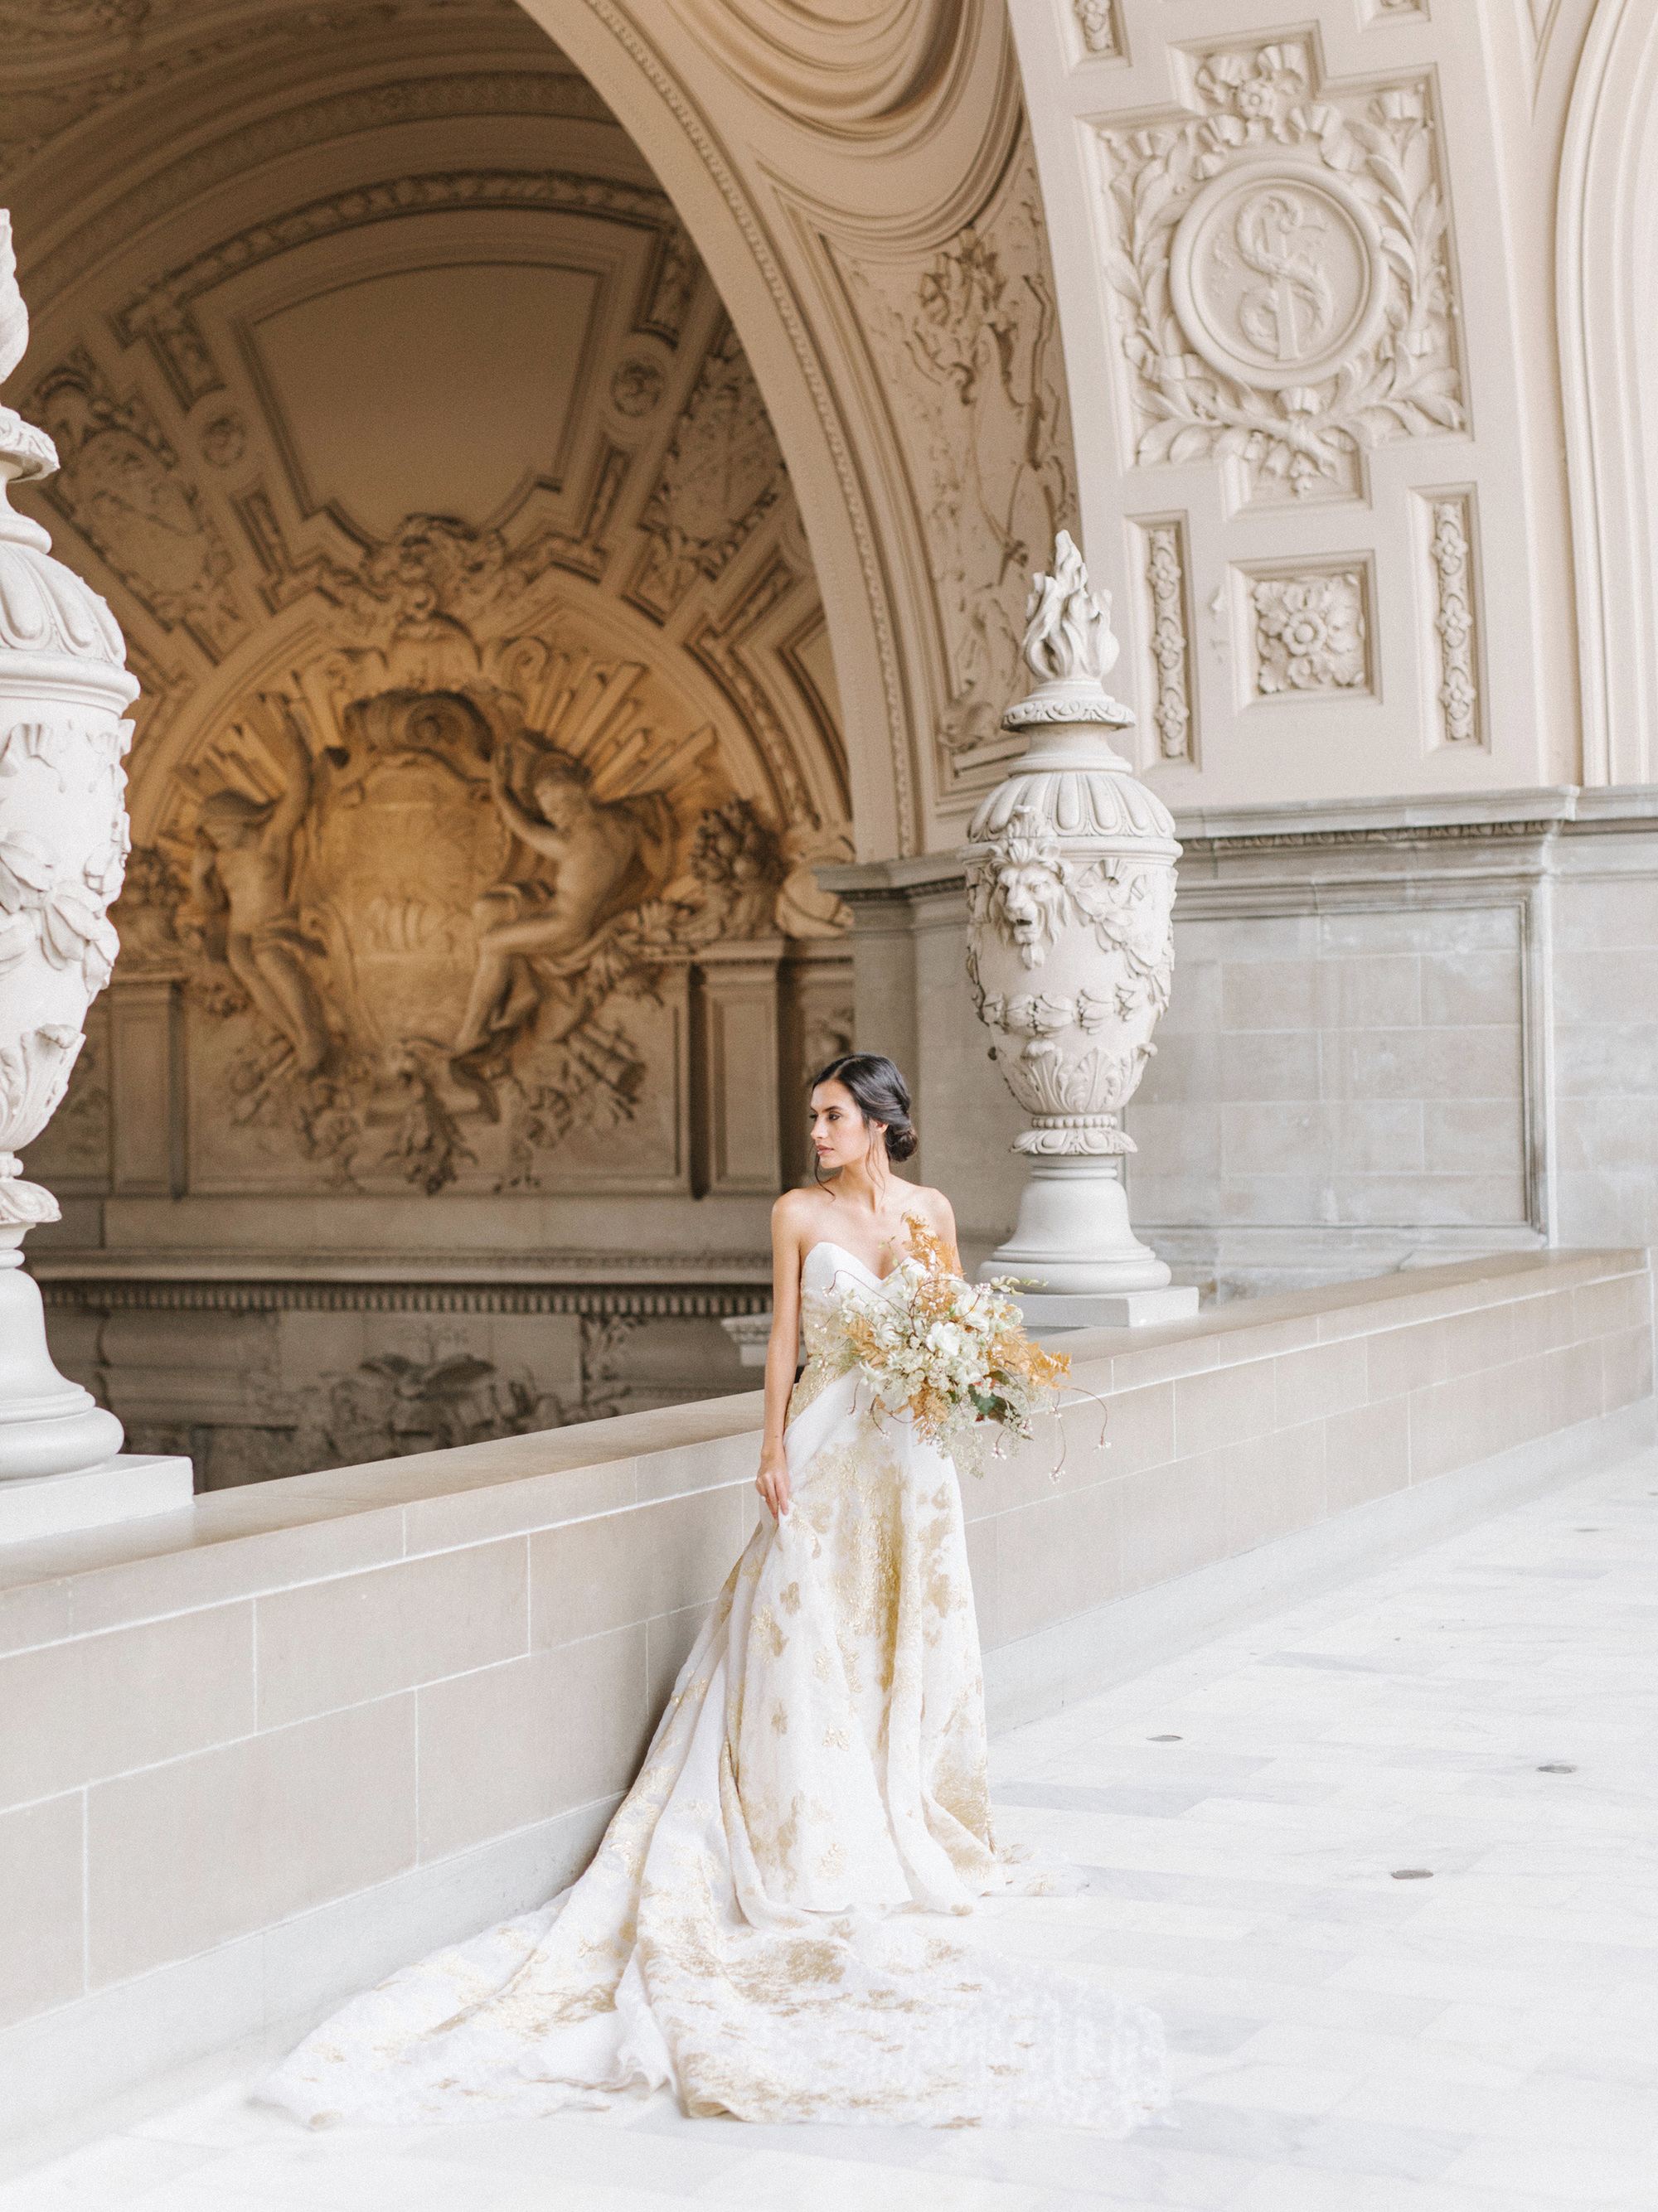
[(951, 1352)]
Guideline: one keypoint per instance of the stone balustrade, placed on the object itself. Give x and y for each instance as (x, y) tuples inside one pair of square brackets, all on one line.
[(254, 1755)]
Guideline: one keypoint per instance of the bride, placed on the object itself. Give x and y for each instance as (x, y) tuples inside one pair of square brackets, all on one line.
[(766, 1928)]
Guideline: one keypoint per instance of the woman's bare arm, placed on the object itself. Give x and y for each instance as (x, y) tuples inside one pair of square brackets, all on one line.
[(781, 1352)]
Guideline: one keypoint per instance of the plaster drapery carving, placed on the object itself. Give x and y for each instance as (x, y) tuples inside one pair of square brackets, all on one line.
[(967, 344), (120, 483), (1164, 544), (852, 67), (1450, 549), (1070, 890), (437, 887), (1294, 237), (1310, 632), (723, 473)]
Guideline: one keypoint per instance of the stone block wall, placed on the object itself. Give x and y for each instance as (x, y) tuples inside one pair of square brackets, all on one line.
[(1354, 1070), (254, 1756)]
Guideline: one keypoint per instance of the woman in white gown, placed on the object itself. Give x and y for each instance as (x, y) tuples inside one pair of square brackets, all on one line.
[(763, 1928)]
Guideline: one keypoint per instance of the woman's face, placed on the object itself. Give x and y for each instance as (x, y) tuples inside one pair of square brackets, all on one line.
[(839, 1133)]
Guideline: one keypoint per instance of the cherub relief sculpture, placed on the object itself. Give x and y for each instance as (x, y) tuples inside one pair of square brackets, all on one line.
[(535, 938), (241, 872)]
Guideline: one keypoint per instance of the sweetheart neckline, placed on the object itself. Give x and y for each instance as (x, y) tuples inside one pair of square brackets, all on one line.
[(828, 1244)]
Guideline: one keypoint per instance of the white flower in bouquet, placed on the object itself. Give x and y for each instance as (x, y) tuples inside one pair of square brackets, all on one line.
[(951, 1353)]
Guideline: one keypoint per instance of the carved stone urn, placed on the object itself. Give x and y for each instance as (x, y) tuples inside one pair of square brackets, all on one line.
[(1070, 952), (64, 690)]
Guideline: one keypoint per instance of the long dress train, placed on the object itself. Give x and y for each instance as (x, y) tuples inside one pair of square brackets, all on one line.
[(760, 1929)]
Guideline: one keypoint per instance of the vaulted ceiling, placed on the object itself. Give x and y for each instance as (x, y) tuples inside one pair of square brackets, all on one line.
[(302, 279)]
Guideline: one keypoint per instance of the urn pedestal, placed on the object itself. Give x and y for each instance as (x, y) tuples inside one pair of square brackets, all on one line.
[(64, 690), (1070, 952)]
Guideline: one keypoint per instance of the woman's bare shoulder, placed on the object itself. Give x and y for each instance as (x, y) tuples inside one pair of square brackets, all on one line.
[(931, 1203), (795, 1209)]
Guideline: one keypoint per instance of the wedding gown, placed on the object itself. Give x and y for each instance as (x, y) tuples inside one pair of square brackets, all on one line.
[(763, 1927)]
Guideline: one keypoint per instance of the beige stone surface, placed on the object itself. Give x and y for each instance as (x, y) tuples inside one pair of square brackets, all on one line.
[(42, 1958), (360, 1637), (515, 1743), (507, 1620), (602, 1573), (185, 1855), (93, 1705)]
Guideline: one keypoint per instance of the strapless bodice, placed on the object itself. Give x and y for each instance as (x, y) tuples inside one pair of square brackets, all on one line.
[(826, 1270)]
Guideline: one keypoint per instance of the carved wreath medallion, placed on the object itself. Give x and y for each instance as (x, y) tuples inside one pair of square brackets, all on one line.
[(1281, 271)]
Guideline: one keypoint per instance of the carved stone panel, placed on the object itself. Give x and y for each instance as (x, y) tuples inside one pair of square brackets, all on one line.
[(1446, 526), (121, 485), (967, 344), (1280, 271), (1310, 631), (1166, 563), (723, 473)]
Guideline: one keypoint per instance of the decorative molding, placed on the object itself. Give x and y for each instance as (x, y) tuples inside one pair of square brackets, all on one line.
[(160, 309), (1163, 546), (122, 487), (1373, 12), (721, 474), (295, 129), (1194, 845), (1449, 525), (58, 104), (1102, 34), (967, 345), (1293, 237), (93, 1293), (1310, 631)]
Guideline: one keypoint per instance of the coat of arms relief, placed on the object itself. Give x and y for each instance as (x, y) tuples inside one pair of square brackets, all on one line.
[(435, 897)]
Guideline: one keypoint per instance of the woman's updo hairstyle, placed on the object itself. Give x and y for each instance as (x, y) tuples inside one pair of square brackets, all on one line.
[(879, 1092)]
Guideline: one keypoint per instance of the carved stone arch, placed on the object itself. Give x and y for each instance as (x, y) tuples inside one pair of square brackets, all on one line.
[(1607, 299), (763, 155)]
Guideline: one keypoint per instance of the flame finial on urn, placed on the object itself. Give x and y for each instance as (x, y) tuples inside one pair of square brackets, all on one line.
[(1070, 648)]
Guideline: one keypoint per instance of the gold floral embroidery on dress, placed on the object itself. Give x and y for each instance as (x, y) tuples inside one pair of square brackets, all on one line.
[(819, 1769)]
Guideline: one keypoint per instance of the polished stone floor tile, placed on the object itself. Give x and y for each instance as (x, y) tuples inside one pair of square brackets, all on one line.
[(1407, 1963)]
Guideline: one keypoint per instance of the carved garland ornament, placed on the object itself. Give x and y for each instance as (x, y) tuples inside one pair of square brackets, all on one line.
[(1281, 271), (1451, 549), (1171, 648)]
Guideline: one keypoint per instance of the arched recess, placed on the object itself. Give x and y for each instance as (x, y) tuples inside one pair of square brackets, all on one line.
[(1608, 300), (868, 206)]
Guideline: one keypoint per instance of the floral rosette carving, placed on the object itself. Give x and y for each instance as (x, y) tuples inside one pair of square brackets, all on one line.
[(1070, 891)]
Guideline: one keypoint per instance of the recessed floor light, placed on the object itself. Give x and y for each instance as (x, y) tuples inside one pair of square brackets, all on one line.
[(1413, 1874), (1556, 1766)]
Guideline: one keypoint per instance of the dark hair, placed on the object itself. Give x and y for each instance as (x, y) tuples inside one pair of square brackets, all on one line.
[(879, 1092)]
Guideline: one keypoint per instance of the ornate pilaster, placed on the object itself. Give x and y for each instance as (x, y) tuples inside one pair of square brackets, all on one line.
[(1070, 951)]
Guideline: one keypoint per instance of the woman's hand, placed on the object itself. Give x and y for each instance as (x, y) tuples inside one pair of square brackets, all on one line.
[(772, 1482)]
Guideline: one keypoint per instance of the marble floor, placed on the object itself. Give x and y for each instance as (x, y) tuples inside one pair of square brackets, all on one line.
[(1385, 1862)]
